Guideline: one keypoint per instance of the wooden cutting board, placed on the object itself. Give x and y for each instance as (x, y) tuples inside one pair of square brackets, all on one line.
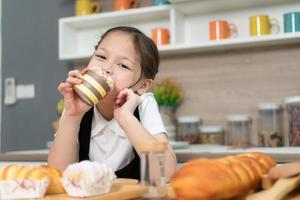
[(279, 190), (122, 189)]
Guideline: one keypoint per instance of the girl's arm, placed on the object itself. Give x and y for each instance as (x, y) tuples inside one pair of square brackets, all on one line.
[(137, 134), (64, 150)]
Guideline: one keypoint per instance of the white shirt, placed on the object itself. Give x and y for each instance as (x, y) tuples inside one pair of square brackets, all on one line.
[(110, 144)]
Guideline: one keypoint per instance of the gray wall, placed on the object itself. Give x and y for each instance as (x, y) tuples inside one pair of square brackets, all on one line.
[(30, 54)]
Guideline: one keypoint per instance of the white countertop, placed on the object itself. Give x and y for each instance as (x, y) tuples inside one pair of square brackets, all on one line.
[(281, 154), (209, 148)]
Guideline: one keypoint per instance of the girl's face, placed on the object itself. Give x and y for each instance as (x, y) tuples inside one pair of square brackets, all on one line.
[(117, 56)]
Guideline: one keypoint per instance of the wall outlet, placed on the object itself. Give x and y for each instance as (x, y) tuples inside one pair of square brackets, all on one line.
[(10, 91), (25, 91)]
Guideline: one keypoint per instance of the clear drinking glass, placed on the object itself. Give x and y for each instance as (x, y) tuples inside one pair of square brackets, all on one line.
[(153, 170)]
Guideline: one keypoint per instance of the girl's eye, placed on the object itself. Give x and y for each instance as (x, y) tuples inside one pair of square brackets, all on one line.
[(124, 66), (101, 57)]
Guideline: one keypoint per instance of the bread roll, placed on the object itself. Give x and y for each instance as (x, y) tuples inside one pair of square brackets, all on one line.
[(23, 182), (55, 186), (87, 178), (17, 172), (222, 178)]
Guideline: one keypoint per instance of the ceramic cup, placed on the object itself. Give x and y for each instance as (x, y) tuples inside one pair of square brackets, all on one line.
[(126, 4), (94, 87), (86, 7), (160, 36), (221, 29), (263, 25), (160, 2), (291, 22)]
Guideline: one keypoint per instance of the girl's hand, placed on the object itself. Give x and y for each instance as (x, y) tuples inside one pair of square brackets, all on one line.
[(74, 106), (126, 103)]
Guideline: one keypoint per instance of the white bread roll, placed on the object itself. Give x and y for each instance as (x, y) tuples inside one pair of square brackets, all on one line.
[(87, 178)]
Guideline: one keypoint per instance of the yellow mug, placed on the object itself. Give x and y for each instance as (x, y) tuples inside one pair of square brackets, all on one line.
[(86, 7), (263, 25)]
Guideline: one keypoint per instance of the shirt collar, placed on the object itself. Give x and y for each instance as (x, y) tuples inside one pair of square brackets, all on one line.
[(99, 124)]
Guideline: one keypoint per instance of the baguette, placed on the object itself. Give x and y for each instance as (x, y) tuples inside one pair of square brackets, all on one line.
[(222, 178)]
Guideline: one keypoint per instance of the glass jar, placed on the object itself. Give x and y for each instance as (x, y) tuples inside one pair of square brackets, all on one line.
[(211, 135), (188, 128), (167, 114), (293, 111), (239, 130), (270, 125)]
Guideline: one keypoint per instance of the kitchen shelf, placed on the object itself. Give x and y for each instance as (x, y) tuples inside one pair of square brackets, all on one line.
[(78, 35), (210, 6), (187, 21), (287, 38)]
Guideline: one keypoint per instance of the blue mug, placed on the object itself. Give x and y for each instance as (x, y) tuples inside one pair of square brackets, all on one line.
[(160, 2), (291, 22)]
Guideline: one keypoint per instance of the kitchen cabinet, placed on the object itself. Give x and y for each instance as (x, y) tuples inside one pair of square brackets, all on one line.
[(187, 22)]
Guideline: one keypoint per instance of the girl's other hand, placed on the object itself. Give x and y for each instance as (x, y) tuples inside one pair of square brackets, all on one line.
[(126, 102), (73, 104)]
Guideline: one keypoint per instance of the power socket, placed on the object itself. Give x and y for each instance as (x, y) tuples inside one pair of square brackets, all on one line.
[(10, 91)]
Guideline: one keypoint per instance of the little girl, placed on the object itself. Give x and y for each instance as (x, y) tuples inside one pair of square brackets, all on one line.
[(115, 130)]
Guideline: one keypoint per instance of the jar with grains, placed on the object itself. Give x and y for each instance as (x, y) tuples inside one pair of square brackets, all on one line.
[(270, 125), (293, 111), (239, 130), (211, 135), (188, 128)]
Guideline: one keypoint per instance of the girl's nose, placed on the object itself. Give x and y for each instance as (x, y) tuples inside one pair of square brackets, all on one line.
[(108, 69)]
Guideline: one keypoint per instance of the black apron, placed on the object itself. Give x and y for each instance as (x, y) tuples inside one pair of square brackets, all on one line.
[(132, 170)]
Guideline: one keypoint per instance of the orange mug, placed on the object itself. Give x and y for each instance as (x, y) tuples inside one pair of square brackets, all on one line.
[(220, 29), (126, 4), (160, 36)]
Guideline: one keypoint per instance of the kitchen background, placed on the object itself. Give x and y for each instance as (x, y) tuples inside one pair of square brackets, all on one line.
[(216, 83)]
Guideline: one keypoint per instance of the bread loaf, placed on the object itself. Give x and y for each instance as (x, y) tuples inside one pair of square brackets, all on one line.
[(223, 178)]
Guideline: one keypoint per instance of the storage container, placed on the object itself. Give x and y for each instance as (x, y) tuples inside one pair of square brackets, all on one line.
[(239, 130), (188, 128), (270, 125), (211, 135), (293, 111)]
